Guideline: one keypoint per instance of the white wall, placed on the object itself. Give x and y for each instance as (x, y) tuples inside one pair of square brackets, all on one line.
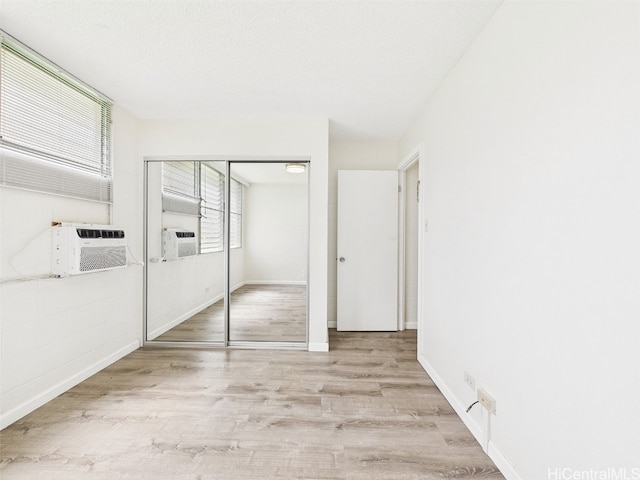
[(532, 258), (263, 137), (275, 233), (350, 156), (57, 332)]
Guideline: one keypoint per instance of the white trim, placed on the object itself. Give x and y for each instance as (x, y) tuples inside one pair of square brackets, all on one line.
[(332, 324), (415, 156), (319, 347), (474, 427), (30, 405), (411, 325), (187, 315), (460, 409), (502, 463), (177, 321), (402, 235)]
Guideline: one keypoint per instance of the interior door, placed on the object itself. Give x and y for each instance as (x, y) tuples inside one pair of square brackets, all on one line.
[(367, 260)]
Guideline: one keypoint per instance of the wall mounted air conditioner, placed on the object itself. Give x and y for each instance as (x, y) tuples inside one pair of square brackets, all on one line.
[(178, 243), (87, 248)]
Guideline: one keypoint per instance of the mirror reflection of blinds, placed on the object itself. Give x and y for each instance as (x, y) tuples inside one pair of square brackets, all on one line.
[(211, 238), (196, 188), (179, 178), (211, 211), (235, 217), (55, 130), (211, 187), (179, 188)]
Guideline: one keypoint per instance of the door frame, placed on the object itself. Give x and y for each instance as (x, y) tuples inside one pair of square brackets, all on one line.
[(416, 156)]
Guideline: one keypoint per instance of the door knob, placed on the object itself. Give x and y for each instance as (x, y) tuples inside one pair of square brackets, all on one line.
[(341, 259)]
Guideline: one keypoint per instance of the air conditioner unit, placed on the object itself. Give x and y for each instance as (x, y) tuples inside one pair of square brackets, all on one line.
[(178, 243), (87, 248)]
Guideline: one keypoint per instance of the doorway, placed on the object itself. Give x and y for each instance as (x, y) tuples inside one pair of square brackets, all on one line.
[(226, 249)]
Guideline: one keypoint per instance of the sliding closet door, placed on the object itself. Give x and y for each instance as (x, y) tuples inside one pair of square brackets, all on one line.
[(268, 239), (185, 260)]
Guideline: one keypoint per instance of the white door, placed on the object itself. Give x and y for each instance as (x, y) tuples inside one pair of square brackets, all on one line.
[(367, 260)]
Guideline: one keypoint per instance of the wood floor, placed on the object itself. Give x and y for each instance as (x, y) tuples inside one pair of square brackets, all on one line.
[(261, 313), (365, 410)]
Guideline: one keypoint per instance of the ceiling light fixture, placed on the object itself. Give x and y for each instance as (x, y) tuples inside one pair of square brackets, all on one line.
[(296, 167)]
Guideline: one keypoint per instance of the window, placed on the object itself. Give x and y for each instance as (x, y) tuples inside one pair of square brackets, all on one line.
[(55, 131), (197, 188)]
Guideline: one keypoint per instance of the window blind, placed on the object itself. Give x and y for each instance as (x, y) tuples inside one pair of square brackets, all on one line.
[(55, 132)]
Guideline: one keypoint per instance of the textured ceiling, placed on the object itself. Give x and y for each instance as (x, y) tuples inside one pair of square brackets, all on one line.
[(366, 65)]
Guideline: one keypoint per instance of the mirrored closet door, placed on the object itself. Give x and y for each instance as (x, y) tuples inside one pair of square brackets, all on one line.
[(226, 261), (270, 303)]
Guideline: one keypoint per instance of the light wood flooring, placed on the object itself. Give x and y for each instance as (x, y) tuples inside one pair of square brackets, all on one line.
[(261, 313), (364, 410)]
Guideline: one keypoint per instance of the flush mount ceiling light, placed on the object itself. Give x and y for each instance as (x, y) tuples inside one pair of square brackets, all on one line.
[(296, 167)]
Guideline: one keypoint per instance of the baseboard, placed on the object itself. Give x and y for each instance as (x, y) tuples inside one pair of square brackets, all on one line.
[(29, 406), (502, 463), (471, 424), (408, 326), (187, 315), (319, 347), (275, 282), (177, 321), (493, 452)]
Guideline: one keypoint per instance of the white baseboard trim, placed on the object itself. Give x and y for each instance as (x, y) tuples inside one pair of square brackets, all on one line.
[(471, 424), (177, 321), (408, 326), (319, 347), (502, 463), (30, 405), (494, 453), (185, 316)]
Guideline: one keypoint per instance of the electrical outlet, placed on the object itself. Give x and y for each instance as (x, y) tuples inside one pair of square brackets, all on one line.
[(486, 400), (469, 380)]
